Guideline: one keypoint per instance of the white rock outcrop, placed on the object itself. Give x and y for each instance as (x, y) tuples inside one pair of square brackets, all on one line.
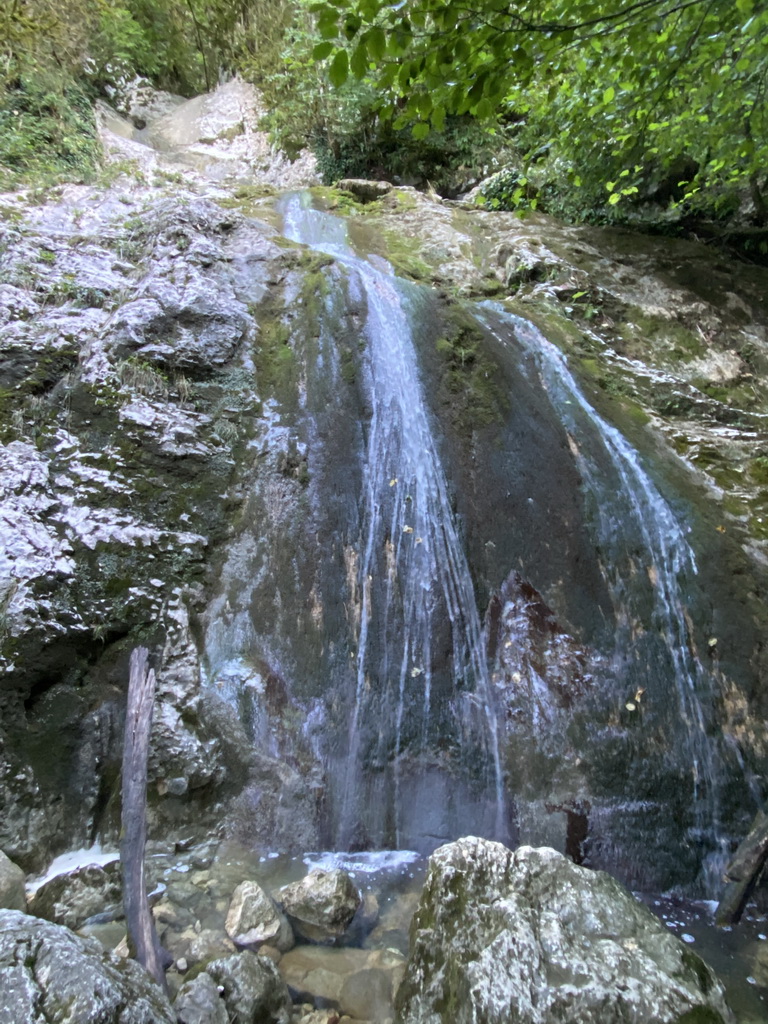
[(531, 938)]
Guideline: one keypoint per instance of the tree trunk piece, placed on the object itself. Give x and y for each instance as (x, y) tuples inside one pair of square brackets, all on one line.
[(138, 722), (743, 871)]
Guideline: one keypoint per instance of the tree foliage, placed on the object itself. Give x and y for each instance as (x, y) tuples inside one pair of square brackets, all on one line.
[(625, 92), (56, 55)]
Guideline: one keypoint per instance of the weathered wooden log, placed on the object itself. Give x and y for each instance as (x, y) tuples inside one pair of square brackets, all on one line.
[(743, 871), (138, 722)]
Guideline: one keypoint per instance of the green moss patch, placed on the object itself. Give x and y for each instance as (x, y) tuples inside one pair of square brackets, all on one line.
[(469, 378)]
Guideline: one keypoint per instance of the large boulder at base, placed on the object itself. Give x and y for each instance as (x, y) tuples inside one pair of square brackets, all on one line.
[(12, 896), (252, 989), (70, 899), (531, 938), (321, 906), (48, 974), (254, 919)]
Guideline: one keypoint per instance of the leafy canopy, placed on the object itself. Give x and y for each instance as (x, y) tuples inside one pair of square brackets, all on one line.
[(614, 87)]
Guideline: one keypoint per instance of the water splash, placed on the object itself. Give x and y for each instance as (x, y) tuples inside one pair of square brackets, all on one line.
[(413, 574)]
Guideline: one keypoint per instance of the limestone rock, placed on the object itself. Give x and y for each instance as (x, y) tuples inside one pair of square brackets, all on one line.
[(252, 989), (199, 1002), (529, 263), (531, 937), (364, 190), (49, 974), (25, 824), (321, 906), (12, 895), (218, 135), (254, 919), (139, 100), (72, 898)]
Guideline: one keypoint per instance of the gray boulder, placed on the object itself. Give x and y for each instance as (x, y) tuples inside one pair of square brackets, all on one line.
[(72, 898), (321, 906), (254, 919), (12, 896), (529, 937), (199, 1002), (48, 974), (252, 989)]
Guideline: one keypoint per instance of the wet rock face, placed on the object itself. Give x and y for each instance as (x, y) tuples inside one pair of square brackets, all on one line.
[(48, 973), (529, 936), (129, 399), (104, 469), (184, 411)]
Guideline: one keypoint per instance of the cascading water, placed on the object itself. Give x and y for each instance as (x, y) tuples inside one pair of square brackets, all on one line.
[(420, 656), (637, 532), (346, 627)]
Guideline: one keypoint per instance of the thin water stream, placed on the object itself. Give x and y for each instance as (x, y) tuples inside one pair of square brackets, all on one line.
[(637, 532)]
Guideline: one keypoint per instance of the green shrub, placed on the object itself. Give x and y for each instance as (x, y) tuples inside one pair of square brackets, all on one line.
[(47, 128)]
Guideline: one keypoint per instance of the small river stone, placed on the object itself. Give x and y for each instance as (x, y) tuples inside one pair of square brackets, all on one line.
[(254, 919)]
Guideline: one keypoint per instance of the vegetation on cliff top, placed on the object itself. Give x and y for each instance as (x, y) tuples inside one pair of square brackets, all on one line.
[(591, 109)]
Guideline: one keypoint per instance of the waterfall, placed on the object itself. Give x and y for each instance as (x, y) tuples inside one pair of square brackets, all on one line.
[(636, 531), (413, 576)]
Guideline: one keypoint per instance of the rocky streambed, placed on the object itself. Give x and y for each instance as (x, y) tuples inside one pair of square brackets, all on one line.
[(342, 943)]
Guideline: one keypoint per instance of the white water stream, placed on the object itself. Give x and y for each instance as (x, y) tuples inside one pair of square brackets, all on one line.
[(409, 532)]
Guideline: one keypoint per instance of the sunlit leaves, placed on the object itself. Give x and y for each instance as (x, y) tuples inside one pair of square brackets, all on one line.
[(602, 84)]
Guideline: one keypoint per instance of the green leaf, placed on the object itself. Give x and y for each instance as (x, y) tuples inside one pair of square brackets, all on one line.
[(322, 50), (339, 69), (328, 25), (608, 95), (351, 26), (377, 43), (358, 62), (420, 130), (612, 200)]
